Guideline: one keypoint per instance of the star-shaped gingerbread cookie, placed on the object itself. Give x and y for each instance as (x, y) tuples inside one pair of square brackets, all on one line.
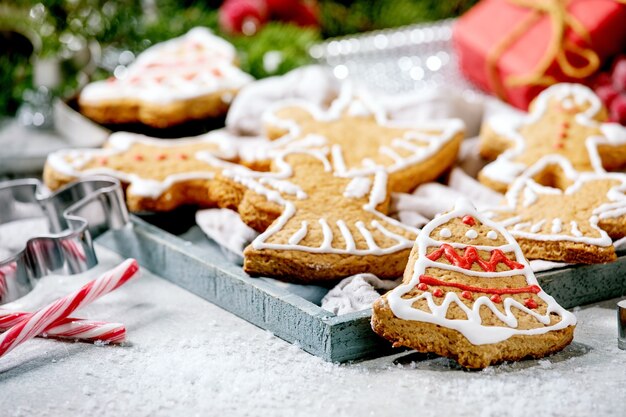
[(361, 138), (325, 225), (161, 174), (565, 120), (575, 223)]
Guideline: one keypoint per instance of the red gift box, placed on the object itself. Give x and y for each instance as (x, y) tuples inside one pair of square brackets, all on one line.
[(516, 48)]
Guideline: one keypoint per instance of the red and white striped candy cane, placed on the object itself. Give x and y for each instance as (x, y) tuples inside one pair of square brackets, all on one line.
[(70, 328), (63, 307)]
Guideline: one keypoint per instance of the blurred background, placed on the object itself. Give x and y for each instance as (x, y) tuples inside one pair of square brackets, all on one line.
[(49, 49)]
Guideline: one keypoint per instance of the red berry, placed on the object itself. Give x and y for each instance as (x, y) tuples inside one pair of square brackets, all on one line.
[(437, 292), (618, 109), (467, 295), (607, 94), (619, 74), (242, 16), (496, 298), (422, 287)]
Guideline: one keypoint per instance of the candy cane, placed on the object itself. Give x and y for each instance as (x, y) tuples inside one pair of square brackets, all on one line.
[(63, 307), (70, 328)]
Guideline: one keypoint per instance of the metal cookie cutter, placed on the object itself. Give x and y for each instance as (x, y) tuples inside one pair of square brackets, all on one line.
[(76, 214)]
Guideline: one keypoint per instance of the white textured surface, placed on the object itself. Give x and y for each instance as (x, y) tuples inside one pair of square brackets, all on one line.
[(188, 357)]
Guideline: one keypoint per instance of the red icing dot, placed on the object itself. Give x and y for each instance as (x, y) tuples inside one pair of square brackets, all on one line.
[(111, 79), (496, 298), (422, 287), (469, 220), (563, 134), (183, 156), (565, 125), (467, 295), (103, 161), (437, 292), (190, 76), (161, 157), (530, 303), (558, 145), (138, 157), (159, 79), (216, 72)]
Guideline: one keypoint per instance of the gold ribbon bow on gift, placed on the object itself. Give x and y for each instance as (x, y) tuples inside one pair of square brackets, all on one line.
[(559, 47)]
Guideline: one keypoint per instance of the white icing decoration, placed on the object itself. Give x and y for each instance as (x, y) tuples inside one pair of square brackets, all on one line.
[(575, 231), (471, 234), (492, 235), (505, 170), (299, 234), (195, 64), (70, 162), (445, 232), (472, 328), (616, 208), (358, 187)]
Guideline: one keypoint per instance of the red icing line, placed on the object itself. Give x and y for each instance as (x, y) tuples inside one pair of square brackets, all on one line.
[(469, 220), (428, 280), (471, 256)]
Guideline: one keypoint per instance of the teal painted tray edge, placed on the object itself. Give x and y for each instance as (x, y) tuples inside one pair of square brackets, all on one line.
[(207, 273)]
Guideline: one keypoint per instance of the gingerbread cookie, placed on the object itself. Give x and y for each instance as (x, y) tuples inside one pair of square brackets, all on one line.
[(469, 294), (188, 78), (361, 139), (160, 174), (575, 224), (566, 120), (322, 225)]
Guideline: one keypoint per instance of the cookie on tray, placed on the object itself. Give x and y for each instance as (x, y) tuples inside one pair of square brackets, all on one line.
[(187, 78), (469, 294), (159, 174), (566, 120), (360, 139), (318, 224), (573, 224)]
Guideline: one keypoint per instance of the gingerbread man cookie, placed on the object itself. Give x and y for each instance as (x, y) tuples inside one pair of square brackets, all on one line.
[(469, 294), (575, 224), (325, 226), (566, 120), (361, 139), (161, 174), (188, 78)]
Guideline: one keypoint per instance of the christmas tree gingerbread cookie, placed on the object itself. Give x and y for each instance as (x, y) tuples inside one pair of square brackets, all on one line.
[(322, 225), (566, 120), (469, 294), (576, 224), (188, 78), (361, 139), (161, 174)]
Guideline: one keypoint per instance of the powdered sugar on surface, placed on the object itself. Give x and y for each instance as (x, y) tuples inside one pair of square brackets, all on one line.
[(188, 357)]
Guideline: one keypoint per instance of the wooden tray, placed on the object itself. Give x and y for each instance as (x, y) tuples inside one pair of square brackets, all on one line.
[(292, 312)]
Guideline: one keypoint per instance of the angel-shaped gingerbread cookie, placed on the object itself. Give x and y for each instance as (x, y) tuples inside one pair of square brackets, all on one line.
[(361, 139), (318, 224), (160, 174), (566, 120), (575, 223)]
